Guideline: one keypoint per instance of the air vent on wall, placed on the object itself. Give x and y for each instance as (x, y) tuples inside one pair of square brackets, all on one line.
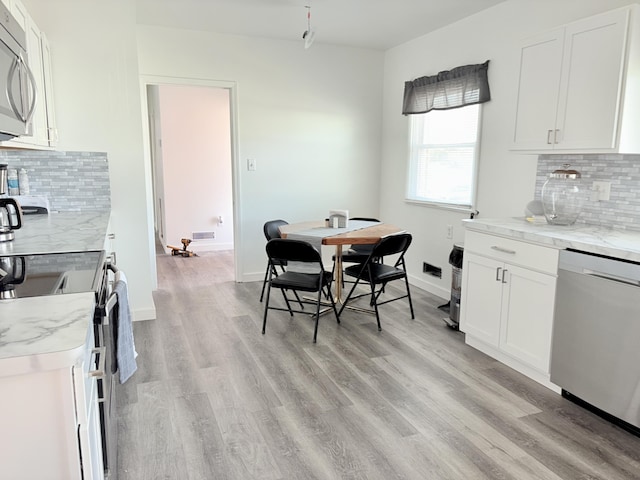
[(203, 235)]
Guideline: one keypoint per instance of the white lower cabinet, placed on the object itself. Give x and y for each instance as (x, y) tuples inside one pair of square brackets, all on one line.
[(50, 423), (507, 301)]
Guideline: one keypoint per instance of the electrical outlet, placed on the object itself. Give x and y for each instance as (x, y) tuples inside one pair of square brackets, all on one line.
[(251, 164), (601, 190), (449, 231)]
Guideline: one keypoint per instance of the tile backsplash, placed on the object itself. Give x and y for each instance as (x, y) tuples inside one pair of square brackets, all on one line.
[(622, 210), (73, 181)]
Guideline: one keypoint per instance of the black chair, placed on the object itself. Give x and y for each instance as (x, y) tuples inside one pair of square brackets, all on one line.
[(271, 230), (375, 272), (314, 278), (355, 253)]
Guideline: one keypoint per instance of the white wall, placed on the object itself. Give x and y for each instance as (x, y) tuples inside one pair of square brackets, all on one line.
[(97, 99), (310, 118), (506, 179), (196, 157), (315, 120)]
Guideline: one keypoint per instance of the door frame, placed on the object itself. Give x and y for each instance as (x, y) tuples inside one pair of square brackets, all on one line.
[(147, 80)]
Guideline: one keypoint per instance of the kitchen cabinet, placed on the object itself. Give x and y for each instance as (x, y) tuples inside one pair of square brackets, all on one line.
[(52, 127), (50, 421), (43, 131), (507, 301), (576, 93)]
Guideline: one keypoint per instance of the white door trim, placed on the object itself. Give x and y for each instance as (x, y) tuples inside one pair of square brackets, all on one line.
[(146, 80)]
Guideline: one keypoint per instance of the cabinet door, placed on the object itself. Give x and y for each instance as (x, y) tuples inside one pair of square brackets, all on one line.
[(527, 316), (39, 119), (592, 82), (52, 128), (481, 298), (537, 102)]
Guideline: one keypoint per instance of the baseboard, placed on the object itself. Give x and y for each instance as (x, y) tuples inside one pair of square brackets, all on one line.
[(429, 287), (143, 314), (509, 361), (201, 247)]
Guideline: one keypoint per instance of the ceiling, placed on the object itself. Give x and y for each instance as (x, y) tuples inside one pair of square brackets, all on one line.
[(376, 24)]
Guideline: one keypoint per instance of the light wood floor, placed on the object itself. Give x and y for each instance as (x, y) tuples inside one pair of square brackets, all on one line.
[(213, 398)]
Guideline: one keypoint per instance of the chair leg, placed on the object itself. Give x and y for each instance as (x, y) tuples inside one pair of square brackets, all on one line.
[(286, 300), (315, 328), (374, 300), (346, 300), (298, 299), (406, 281), (264, 282), (333, 303), (266, 308)]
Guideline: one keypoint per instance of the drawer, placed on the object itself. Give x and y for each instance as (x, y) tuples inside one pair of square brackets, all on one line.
[(527, 255)]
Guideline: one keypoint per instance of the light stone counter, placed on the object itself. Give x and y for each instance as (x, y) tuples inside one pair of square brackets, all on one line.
[(44, 333), (59, 232), (589, 238)]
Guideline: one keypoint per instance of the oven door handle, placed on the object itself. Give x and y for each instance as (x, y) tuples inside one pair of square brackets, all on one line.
[(109, 305), (101, 352)]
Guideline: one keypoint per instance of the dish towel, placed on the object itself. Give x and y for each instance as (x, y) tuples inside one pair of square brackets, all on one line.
[(125, 350)]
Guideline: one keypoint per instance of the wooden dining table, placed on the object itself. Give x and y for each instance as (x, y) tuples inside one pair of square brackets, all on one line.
[(367, 235)]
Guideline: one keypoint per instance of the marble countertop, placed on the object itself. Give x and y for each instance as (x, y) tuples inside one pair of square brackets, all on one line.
[(59, 232), (589, 238), (43, 333)]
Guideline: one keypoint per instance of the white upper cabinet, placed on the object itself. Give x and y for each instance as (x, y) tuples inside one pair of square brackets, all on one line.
[(540, 67), (575, 91), (52, 128), (43, 131)]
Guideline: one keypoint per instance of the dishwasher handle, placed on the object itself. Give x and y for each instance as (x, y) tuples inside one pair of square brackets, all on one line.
[(600, 266), (613, 278)]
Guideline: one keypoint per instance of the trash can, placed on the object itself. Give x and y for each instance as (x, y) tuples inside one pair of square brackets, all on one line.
[(455, 260)]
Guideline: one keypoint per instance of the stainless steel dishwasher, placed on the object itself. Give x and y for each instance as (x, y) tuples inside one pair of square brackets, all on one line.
[(595, 352)]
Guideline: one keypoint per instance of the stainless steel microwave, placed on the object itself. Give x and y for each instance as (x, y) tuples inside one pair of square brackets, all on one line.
[(17, 85)]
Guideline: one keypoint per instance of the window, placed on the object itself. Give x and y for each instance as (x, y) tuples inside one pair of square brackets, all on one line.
[(443, 157)]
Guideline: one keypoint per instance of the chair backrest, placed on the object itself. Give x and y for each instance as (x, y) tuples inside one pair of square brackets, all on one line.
[(292, 251), (271, 228), (363, 249), (392, 244)]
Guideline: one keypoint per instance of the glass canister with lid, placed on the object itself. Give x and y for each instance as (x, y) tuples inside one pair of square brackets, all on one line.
[(562, 196)]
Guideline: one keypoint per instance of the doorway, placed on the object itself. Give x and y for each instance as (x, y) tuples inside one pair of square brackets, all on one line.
[(191, 159)]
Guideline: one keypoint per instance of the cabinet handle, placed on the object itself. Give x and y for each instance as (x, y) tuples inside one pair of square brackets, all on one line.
[(111, 236), (504, 275), (556, 133), (503, 250), (498, 274), (102, 354), (549, 137)]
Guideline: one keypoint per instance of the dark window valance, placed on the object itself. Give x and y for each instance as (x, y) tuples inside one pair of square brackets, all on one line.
[(455, 88)]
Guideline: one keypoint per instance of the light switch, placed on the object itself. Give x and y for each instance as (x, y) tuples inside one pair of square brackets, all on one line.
[(251, 164)]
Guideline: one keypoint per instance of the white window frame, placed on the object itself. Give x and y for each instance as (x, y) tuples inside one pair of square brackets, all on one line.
[(416, 146)]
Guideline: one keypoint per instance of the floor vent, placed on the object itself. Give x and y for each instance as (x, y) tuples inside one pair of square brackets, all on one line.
[(431, 270), (203, 235)]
